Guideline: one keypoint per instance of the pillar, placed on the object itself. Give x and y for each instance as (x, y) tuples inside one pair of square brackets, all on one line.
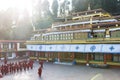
[(73, 56), (0, 55), (107, 33), (28, 53), (58, 57), (0, 51), (5, 59), (48, 56), (16, 52), (87, 59), (105, 58)]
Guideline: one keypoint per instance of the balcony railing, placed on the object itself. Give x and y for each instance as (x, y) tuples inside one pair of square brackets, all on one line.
[(7, 49), (87, 40)]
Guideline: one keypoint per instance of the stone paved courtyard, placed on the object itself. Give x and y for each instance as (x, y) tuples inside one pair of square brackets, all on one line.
[(65, 72)]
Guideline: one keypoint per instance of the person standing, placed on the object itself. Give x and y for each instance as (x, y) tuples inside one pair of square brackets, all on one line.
[(1, 75), (40, 71), (5, 60), (0, 72)]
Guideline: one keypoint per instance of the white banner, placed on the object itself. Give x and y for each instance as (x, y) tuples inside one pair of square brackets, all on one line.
[(41, 48), (50, 47), (111, 48), (85, 48), (93, 47), (77, 48), (28, 47), (60, 48), (66, 48)]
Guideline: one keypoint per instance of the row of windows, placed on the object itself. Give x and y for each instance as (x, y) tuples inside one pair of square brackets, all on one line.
[(99, 57), (59, 37), (62, 36), (2, 55), (115, 34), (79, 35), (7, 45), (99, 35), (11, 45), (81, 56)]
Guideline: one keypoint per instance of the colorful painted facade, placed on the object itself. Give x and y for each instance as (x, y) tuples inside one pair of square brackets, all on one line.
[(89, 37)]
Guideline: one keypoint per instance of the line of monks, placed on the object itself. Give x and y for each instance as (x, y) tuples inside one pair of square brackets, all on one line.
[(16, 67)]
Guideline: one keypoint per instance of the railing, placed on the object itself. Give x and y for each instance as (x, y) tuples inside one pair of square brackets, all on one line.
[(88, 40), (7, 50), (22, 49), (103, 39), (85, 19)]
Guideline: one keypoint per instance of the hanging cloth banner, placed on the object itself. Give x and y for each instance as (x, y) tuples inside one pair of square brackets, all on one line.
[(84, 48)]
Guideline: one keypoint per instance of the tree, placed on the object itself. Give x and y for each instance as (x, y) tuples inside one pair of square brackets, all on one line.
[(64, 8), (44, 18), (23, 27), (95, 4), (6, 22), (110, 5), (55, 8), (79, 5), (45, 8)]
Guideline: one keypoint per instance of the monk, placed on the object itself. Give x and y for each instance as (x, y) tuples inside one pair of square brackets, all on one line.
[(40, 71), (1, 75)]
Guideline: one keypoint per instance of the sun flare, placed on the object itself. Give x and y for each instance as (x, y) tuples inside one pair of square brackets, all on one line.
[(19, 5)]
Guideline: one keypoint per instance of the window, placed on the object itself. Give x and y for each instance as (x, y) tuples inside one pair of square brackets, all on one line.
[(50, 37), (98, 57), (61, 36), (12, 45), (80, 56), (71, 36), (9, 54), (5, 45), (116, 57), (22, 45), (79, 35), (46, 37), (68, 36)]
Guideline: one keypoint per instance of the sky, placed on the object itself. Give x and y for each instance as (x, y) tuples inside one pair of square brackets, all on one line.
[(19, 5)]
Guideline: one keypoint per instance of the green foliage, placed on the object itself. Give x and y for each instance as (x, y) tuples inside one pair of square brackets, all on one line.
[(111, 6), (79, 5), (45, 18), (64, 7), (43, 23), (95, 4), (45, 8)]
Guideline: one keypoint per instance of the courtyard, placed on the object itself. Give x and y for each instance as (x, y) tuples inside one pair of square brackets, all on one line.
[(52, 71)]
